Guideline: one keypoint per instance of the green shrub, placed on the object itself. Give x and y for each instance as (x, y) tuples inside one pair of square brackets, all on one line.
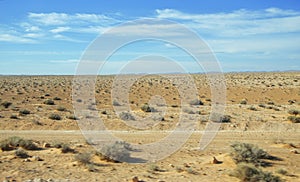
[(55, 117), (244, 152), (49, 102), (84, 158), (21, 153), (249, 173), (116, 152)]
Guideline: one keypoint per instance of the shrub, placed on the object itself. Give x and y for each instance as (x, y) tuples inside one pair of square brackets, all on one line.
[(216, 117), (252, 108), (72, 117), (153, 168), (249, 173), (13, 116), (49, 102), (6, 104), (126, 116), (14, 142), (147, 108), (84, 158), (244, 102), (21, 153), (196, 102), (65, 148), (116, 103), (244, 152), (262, 105), (116, 152), (60, 108), (294, 119), (282, 171), (55, 117), (56, 98), (294, 112), (24, 112)]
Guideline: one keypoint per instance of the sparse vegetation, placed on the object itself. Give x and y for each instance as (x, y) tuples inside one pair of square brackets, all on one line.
[(249, 173), (196, 102), (15, 142), (13, 116), (84, 158), (21, 153), (24, 112), (49, 102), (147, 108), (55, 117), (245, 152), (294, 119), (6, 104), (65, 148), (252, 108), (244, 102), (294, 112), (116, 152), (61, 108), (126, 116)]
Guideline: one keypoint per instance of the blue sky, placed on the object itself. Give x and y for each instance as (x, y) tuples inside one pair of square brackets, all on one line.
[(50, 36)]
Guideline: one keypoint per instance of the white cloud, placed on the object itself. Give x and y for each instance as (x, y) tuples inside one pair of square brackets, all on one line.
[(14, 39), (238, 23), (60, 29)]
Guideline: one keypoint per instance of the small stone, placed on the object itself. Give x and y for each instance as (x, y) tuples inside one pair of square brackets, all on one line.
[(135, 179), (216, 161), (46, 145)]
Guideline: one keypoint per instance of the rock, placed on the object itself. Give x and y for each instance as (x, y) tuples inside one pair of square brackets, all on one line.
[(294, 151), (37, 158), (46, 145), (216, 161), (135, 179), (26, 160)]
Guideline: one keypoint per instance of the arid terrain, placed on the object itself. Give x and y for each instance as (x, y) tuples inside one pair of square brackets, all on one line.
[(261, 109)]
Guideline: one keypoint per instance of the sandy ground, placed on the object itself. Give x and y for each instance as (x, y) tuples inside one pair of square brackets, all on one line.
[(271, 95)]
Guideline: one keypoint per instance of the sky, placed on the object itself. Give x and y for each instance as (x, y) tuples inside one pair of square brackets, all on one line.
[(52, 36)]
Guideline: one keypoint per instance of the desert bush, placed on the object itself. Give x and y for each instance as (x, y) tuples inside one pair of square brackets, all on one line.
[(126, 116), (294, 119), (24, 112), (116, 103), (252, 108), (72, 117), (153, 168), (49, 102), (6, 104), (55, 117), (116, 152), (245, 152), (57, 144), (147, 108), (13, 116), (196, 102), (14, 142), (294, 112), (216, 117), (244, 102), (84, 158), (61, 108), (191, 171), (56, 98), (65, 148), (250, 173), (21, 153), (262, 105), (282, 171), (270, 103)]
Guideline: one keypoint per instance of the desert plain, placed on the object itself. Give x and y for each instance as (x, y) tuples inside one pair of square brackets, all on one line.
[(261, 109)]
